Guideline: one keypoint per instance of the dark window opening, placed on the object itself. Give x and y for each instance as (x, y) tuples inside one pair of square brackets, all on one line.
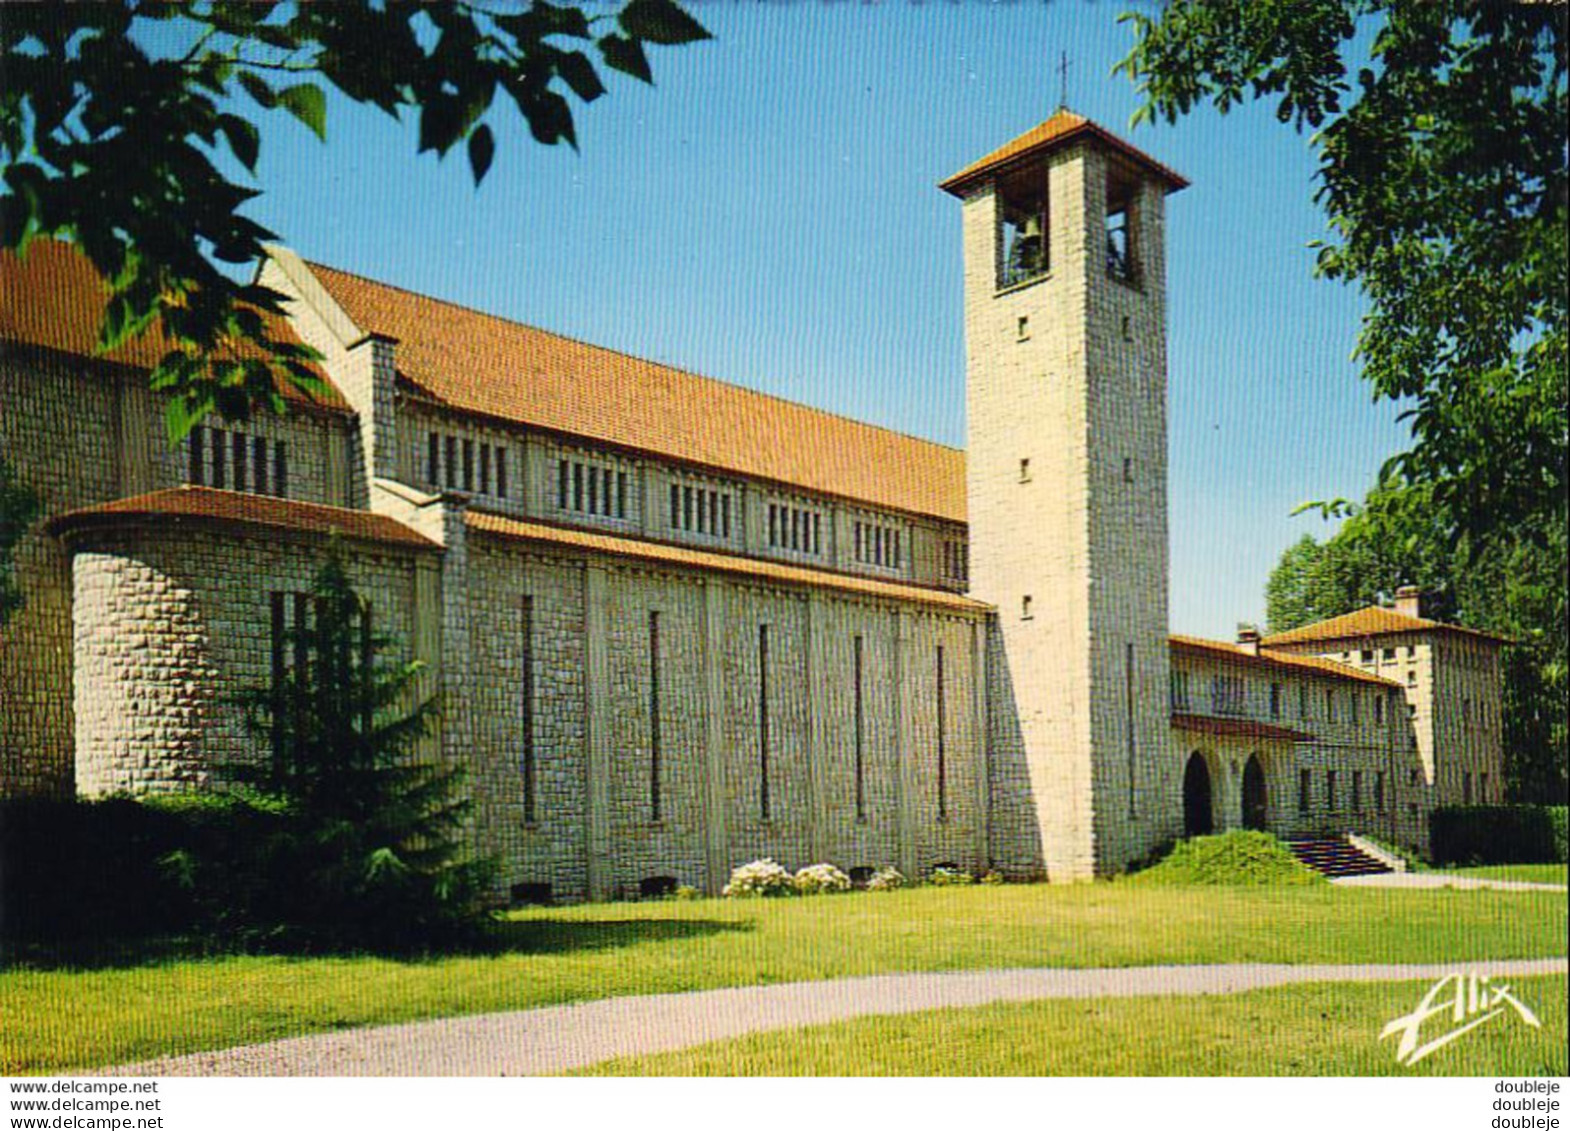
[(657, 887)]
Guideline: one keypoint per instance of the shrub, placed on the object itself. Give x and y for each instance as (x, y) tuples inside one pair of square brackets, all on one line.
[(686, 893), (759, 878), (886, 879), (993, 878), (821, 879), (1498, 834), (1241, 857), (945, 875)]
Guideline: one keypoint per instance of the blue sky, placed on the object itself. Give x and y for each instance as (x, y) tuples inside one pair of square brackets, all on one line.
[(767, 214)]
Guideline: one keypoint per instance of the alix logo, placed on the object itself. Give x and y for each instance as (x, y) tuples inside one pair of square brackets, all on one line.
[(1473, 996)]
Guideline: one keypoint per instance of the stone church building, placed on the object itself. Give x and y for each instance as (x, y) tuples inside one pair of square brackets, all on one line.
[(677, 625)]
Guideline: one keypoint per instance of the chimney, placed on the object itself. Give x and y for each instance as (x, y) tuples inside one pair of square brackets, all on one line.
[(1409, 601), (1248, 639)]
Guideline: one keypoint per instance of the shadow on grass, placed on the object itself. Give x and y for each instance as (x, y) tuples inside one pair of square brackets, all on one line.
[(494, 940)]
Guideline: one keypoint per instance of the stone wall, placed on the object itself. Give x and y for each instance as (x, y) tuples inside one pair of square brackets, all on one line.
[(79, 434), (173, 626)]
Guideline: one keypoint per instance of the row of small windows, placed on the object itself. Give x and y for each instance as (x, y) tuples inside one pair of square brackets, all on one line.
[(1483, 795), (589, 489), (238, 462), (700, 510), (451, 462), (792, 528), (1305, 791), (878, 545), (956, 560), (1229, 696)]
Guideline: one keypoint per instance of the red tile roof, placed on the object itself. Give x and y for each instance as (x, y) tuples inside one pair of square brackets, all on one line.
[(54, 299), (1372, 621), (474, 362), (1239, 728), (1063, 128), (666, 554), (1273, 659), (210, 504)]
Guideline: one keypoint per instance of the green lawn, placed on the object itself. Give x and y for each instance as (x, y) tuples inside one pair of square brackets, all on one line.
[(1311, 1030), (1534, 873), (63, 1018)]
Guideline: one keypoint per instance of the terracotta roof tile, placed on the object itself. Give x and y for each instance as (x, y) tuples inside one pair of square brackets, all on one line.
[(1273, 659), (210, 504), (480, 363), (665, 554), (1061, 129), (54, 299), (1372, 621), (1240, 728)]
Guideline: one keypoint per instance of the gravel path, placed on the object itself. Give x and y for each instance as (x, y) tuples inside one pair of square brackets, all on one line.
[(557, 1038), (1440, 880)]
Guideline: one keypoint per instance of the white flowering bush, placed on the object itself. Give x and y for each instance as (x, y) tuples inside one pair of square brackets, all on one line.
[(950, 877), (886, 879), (821, 879), (759, 878)]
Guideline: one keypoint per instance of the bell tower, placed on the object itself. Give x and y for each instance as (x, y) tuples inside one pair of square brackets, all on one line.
[(1065, 325)]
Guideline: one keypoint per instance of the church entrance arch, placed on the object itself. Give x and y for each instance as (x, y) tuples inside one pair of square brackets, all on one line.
[(1255, 799), (1198, 815)]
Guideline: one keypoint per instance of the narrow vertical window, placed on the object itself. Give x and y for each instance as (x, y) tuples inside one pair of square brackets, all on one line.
[(561, 484), (468, 464), (280, 470), (703, 508), (485, 469), (220, 455), (451, 452), (577, 487), (280, 668), (1304, 790), (654, 716), (860, 737), (898, 562), (1330, 790), (433, 460), (196, 472), (1128, 719), (259, 465), (773, 525), (501, 472), (526, 692), (240, 447), (859, 556), (686, 509), (1357, 791), (725, 516), (1379, 791), (763, 720), (817, 534), (621, 494), (675, 507), (943, 765), (594, 490)]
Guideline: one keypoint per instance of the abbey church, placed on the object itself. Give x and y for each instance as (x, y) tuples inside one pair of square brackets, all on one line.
[(677, 625)]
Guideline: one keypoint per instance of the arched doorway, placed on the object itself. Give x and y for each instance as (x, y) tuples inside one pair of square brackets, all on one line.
[(1197, 816), (1255, 806)]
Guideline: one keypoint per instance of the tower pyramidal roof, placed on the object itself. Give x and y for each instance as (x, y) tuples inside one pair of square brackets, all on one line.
[(1062, 129)]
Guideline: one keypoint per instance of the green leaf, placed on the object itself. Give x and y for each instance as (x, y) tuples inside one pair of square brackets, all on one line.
[(482, 147), (307, 103), (262, 94), (661, 21), (243, 139), (627, 56), (574, 66)]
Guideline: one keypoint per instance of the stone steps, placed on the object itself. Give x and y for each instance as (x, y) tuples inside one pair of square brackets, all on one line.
[(1335, 856)]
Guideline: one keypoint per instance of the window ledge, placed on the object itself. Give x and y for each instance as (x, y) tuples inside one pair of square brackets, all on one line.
[(1023, 284)]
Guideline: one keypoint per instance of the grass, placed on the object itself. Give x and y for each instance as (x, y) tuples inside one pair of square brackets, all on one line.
[(1533, 873), (1310, 1030), (1238, 857), (61, 1018)]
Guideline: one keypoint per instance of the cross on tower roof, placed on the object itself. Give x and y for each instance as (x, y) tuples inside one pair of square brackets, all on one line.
[(1063, 84)]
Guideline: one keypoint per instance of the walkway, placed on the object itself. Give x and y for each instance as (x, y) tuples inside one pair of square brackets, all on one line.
[(558, 1038), (1441, 880)]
